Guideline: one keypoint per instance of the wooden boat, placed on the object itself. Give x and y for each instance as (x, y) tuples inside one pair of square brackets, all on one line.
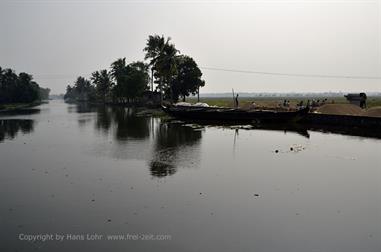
[(234, 115)]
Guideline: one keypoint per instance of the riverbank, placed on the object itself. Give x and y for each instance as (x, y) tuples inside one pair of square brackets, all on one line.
[(372, 101), (13, 107)]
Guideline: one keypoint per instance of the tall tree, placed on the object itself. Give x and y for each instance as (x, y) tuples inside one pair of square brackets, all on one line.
[(188, 78), (17, 88), (103, 83), (118, 70), (137, 79), (118, 73), (81, 91), (162, 55)]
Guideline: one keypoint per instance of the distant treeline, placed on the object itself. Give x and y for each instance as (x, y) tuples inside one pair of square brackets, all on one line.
[(20, 88), (175, 75)]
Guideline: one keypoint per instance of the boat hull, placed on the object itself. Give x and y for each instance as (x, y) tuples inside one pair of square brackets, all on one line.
[(235, 115)]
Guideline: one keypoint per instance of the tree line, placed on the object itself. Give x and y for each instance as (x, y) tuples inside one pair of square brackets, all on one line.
[(175, 76), (20, 88)]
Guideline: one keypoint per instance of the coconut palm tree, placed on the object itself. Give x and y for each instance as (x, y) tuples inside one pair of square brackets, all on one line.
[(163, 59), (103, 83), (118, 69)]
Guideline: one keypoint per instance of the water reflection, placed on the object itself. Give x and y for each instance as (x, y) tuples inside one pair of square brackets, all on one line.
[(11, 127), (23, 111), (374, 133), (174, 145), (167, 146), (126, 123), (81, 107), (104, 119), (130, 126)]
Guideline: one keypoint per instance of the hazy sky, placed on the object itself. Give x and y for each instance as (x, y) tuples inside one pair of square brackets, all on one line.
[(56, 40)]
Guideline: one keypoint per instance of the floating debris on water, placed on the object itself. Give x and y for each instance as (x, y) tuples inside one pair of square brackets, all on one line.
[(297, 148), (194, 126), (176, 122)]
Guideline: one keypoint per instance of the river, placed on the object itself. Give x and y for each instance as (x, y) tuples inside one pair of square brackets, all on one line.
[(105, 179)]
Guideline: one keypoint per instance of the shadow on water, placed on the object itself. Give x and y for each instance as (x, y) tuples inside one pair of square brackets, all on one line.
[(9, 128)]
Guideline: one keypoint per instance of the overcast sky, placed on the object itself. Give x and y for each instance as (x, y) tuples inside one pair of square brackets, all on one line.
[(59, 40)]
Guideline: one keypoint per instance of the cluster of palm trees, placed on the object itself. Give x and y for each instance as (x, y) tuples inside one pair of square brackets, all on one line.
[(124, 83), (19, 88), (175, 76)]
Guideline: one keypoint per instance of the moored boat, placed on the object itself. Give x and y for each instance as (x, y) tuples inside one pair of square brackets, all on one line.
[(234, 115)]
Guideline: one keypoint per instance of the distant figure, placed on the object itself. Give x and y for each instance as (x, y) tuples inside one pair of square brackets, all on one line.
[(357, 99), (236, 101)]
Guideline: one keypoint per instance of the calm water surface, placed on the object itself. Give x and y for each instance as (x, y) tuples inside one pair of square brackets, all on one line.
[(77, 170)]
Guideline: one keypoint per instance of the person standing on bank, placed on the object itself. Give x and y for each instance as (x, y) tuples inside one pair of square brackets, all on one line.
[(236, 101)]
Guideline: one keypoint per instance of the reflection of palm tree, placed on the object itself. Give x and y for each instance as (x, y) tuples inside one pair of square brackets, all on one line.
[(82, 107), (171, 139), (161, 169), (130, 126), (10, 128), (127, 124), (103, 121)]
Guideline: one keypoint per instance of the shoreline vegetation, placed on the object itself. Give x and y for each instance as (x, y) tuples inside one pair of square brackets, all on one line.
[(169, 76), (19, 91)]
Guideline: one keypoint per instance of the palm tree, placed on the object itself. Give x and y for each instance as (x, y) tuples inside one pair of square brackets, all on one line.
[(102, 82), (163, 58), (167, 66), (154, 48), (84, 89), (118, 73), (118, 69)]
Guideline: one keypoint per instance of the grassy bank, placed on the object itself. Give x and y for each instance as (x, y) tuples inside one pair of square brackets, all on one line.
[(274, 101)]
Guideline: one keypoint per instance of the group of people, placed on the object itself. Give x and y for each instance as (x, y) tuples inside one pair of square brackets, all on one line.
[(286, 103)]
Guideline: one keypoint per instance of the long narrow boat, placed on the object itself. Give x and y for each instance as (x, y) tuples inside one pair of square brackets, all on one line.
[(234, 115)]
